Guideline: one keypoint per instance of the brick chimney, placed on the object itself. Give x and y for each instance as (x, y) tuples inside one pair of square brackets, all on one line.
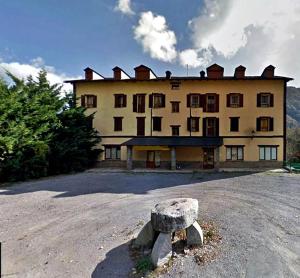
[(215, 71), (117, 73), (268, 72), (88, 73), (240, 72), (202, 73)]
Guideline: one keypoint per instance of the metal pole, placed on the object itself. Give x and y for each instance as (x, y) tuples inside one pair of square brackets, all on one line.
[(190, 114), (151, 115)]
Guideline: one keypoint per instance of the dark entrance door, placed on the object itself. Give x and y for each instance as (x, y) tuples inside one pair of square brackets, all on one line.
[(208, 158), (150, 159), (140, 126)]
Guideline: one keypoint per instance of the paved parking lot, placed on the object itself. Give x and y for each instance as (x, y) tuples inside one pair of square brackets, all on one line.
[(80, 225)]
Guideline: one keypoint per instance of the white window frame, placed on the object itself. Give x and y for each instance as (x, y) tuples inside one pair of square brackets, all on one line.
[(268, 153)]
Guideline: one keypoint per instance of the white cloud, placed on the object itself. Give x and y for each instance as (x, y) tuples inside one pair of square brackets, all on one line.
[(256, 33), (22, 71), (156, 38), (195, 58), (124, 6)]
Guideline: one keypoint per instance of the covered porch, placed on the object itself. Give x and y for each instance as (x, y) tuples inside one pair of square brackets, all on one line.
[(173, 152)]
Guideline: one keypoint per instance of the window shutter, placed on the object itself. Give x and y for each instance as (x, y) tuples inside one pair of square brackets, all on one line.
[(116, 100), (271, 122), (151, 101), (271, 100), (197, 124), (94, 101), (143, 104), (163, 100), (228, 100), (159, 124), (204, 127), (125, 100), (241, 97), (217, 126), (217, 103), (134, 103), (189, 124), (83, 100), (257, 124), (188, 100), (258, 101), (203, 101)]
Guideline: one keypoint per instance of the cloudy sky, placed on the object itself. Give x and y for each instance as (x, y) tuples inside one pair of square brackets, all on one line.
[(66, 36)]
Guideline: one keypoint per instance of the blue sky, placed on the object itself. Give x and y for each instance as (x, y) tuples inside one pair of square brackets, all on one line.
[(66, 36)]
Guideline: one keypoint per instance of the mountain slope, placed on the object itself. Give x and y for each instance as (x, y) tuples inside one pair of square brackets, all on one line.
[(293, 107)]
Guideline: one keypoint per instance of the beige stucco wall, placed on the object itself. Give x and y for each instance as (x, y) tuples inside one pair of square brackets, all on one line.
[(105, 111)]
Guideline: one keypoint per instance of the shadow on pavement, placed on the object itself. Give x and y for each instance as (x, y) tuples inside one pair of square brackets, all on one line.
[(118, 183), (117, 263)]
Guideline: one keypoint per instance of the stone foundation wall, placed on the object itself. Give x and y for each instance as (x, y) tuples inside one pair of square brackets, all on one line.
[(111, 164), (250, 164)]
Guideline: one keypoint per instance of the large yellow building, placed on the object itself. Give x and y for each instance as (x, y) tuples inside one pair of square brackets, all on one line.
[(203, 122)]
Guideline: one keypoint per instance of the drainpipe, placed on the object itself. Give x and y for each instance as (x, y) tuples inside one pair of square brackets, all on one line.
[(151, 115), (190, 114)]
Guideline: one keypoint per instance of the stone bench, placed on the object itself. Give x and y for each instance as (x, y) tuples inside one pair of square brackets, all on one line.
[(168, 217)]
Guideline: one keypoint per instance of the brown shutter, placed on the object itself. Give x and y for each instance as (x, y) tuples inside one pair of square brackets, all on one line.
[(217, 127), (94, 101), (203, 101), (163, 100), (257, 124), (125, 100), (83, 100), (241, 100), (271, 123), (197, 124), (151, 101), (159, 124), (228, 100), (217, 103), (204, 127), (116, 100), (134, 103), (143, 104), (271, 100), (189, 124), (188, 100), (258, 101)]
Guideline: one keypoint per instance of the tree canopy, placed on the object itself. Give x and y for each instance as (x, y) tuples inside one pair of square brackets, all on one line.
[(42, 132)]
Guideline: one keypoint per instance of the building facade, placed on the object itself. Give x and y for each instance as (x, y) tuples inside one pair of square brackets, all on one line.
[(203, 122)]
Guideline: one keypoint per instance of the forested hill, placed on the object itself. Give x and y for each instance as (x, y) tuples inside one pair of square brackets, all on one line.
[(293, 107)]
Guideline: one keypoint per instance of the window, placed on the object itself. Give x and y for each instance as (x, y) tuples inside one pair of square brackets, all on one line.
[(139, 103), (175, 85), (265, 100), (89, 101), (112, 152), (193, 124), (234, 100), (195, 101), (175, 130), (268, 152), (175, 106), (234, 152), (264, 124), (234, 124), (118, 123), (120, 100), (211, 126), (210, 102), (156, 123), (157, 100)]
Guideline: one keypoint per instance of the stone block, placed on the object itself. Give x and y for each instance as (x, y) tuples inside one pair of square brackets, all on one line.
[(162, 250), (145, 237), (194, 234), (174, 214)]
